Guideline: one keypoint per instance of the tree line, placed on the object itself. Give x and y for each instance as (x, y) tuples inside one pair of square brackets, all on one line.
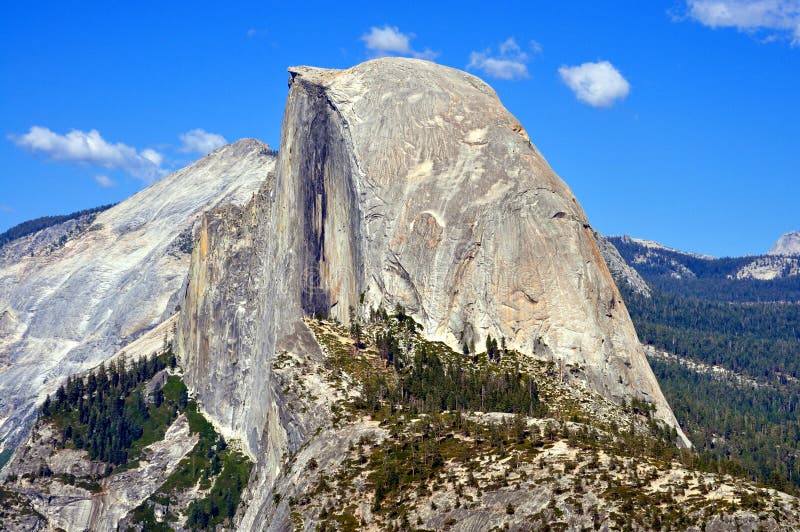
[(105, 412), (37, 224)]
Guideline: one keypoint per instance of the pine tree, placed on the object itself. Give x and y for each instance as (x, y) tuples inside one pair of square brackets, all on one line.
[(46, 406)]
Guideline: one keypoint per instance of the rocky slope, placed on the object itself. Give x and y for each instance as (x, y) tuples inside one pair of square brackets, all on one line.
[(577, 461), (70, 497), (376, 459), (73, 293), (622, 272), (769, 267), (649, 253), (398, 182), (171, 476), (787, 244)]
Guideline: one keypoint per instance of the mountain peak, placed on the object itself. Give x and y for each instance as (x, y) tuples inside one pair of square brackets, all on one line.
[(241, 148), (787, 244), (403, 183)]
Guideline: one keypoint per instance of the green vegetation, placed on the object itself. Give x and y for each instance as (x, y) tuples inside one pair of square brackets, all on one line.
[(425, 396), (5, 456), (106, 412), (758, 339), (90, 485), (221, 502), (749, 327), (432, 378), (210, 465), (758, 433), (37, 224)]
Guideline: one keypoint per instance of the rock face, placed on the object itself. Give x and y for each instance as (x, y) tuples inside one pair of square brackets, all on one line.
[(787, 244), (770, 267), (72, 506), (399, 181), (646, 254), (67, 303), (620, 269)]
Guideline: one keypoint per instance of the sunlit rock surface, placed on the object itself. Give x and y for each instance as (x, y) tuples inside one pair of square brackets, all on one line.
[(787, 244), (620, 269), (398, 181), (66, 304)]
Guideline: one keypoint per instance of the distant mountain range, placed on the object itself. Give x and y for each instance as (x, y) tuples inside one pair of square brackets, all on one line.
[(751, 278)]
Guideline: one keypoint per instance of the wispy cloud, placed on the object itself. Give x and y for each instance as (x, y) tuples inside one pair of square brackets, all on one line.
[(6, 208), (90, 148), (104, 181), (597, 84), (201, 141), (389, 40), (779, 19), (510, 61)]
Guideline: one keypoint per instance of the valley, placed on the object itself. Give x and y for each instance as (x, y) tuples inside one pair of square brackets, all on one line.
[(743, 415)]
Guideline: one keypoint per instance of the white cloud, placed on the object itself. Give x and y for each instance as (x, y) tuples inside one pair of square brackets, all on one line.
[(153, 156), (780, 16), (389, 40), (426, 54), (509, 63), (509, 46), (104, 181), (597, 84), (251, 32), (201, 141), (6, 208), (90, 148)]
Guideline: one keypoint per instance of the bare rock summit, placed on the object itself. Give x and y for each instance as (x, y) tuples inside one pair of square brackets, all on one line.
[(787, 244)]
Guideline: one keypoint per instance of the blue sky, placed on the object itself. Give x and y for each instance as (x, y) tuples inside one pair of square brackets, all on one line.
[(673, 120)]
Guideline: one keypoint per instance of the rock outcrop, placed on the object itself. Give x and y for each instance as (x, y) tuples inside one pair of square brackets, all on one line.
[(73, 294), (787, 244), (66, 498), (769, 267), (399, 181)]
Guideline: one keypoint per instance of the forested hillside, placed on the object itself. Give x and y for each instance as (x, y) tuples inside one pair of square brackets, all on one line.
[(96, 431), (745, 413)]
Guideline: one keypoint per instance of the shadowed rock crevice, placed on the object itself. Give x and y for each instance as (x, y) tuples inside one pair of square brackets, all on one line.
[(323, 177)]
